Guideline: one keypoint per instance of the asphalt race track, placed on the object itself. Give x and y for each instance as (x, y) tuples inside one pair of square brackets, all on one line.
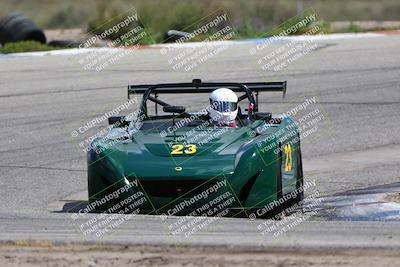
[(353, 157)]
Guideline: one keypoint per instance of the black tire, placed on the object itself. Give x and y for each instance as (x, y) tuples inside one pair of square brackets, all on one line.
[(300, 179), (279, 190), (16, 27)]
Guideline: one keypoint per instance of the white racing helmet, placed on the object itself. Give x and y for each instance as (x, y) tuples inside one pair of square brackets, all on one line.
[(223, 106)]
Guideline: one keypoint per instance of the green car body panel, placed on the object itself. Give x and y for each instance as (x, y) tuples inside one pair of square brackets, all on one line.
[(247, 159)]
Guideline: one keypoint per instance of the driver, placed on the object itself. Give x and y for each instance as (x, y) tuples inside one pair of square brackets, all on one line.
[(223, 107)]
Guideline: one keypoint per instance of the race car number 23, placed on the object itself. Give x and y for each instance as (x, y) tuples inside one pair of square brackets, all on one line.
[(181, 149)]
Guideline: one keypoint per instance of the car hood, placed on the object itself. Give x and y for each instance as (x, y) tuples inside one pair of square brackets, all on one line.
[(148, 153)]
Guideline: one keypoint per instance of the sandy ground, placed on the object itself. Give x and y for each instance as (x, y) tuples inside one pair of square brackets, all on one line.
[(42, 254)]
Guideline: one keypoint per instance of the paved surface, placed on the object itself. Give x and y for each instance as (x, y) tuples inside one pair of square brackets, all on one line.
[(43, 99)]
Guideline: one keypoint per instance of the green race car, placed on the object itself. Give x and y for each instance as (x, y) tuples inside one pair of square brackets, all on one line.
[(165, 160)]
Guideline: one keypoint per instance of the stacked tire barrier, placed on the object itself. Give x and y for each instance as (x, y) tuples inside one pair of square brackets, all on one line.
[(16, 27)]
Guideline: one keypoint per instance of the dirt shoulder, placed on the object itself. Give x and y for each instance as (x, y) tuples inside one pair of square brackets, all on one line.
[(44, 254)]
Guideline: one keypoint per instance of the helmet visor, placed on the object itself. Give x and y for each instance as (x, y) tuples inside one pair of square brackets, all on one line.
[(223, 106)]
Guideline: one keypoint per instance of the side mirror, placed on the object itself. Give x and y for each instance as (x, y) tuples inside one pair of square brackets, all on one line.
[(174, 109), (118, 121), (266, 116)]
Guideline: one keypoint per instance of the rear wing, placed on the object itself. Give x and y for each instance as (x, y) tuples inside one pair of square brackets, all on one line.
[(197, 86)]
